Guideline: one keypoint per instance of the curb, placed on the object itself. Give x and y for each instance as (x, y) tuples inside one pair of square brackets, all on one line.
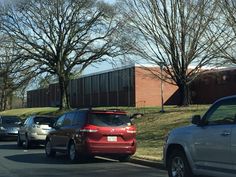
[(149, 163)]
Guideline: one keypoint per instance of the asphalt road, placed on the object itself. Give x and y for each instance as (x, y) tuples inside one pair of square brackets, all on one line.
[(19, 162)]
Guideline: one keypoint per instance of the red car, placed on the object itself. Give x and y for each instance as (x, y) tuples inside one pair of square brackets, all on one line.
[(86, 133)]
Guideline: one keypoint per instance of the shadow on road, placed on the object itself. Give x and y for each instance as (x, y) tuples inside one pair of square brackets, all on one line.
[(15, 147), (9, 146), (40, 158)]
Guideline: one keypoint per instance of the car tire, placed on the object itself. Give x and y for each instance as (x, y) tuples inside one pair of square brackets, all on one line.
[(19, 142), (124, 158), (27, 143), (178, 165), (48, 149), (72, 152)]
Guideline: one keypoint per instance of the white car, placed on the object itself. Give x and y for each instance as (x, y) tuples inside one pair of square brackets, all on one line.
[(34, 130)]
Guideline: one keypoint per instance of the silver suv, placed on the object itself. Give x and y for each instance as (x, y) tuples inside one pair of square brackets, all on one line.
[(208, 147), (34, 130)]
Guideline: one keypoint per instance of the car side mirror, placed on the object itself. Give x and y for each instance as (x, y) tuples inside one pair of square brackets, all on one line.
[(55, 126), (19, 123), (136, 115), (196, 120)]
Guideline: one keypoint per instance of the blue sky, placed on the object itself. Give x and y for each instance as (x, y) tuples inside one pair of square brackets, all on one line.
[(110, 1)]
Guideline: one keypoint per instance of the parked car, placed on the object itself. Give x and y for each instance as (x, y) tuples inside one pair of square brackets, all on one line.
[(9, 126), (208, 147), (34, 130), (86, 133)]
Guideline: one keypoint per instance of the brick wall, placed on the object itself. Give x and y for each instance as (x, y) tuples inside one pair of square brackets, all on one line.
[(148, 89)]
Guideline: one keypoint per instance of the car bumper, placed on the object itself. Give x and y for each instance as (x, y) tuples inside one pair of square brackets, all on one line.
[(96, 150), (8, 135), (36, 137), (108, 149)]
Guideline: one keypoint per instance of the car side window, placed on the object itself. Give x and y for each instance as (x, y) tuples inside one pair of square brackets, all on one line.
[(80, 118), (60, 121), (26, 121), (30, 122), (223, 113), (68, 119)]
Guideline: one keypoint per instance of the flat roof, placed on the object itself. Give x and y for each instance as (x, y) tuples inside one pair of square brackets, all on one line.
[(117, 69), (208, 69)]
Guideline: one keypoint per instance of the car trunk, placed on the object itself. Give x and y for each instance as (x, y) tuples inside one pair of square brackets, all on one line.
[(42, 129), (107, 130)]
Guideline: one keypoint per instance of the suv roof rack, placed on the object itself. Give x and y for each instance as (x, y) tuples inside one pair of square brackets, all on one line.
[(86, 109), (115, 110), (101, 110)]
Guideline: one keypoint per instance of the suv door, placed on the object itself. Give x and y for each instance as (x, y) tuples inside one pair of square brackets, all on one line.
[(212, 141), (233, 147)]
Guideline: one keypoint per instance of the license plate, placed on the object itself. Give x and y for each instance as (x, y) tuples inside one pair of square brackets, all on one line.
[(112, 138)]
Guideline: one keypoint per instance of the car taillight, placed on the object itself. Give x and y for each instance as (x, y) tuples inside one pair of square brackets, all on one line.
[(88, 130)]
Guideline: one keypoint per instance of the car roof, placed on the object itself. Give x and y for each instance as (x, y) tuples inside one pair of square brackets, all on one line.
[(46, 116), (1, 116), (103, 111), (225, 98), (107, 112)]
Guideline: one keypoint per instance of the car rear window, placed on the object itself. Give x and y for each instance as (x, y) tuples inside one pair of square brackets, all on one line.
[(10, 120), (107, 120), (44, 120)]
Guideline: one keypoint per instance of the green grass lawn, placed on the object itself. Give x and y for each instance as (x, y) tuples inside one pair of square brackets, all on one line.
[(152, 127), (24, 112)]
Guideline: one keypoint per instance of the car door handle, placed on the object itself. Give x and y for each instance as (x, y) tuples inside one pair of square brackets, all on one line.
[(225, 133)]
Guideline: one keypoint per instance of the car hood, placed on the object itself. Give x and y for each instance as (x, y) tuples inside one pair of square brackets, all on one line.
[(184, 129)]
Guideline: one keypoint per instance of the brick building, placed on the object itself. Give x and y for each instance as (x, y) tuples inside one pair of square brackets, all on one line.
[(134, 86), (214, 84), (127, 86)]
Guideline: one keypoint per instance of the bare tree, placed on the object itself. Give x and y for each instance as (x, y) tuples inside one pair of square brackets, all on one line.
[(177, 35), (228, 54), (15, 72), (62, 36)]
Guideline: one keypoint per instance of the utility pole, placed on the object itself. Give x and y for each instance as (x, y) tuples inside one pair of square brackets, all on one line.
[(161, 64)]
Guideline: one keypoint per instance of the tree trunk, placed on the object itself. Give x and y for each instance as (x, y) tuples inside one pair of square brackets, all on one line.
[(5, 102), (64, 98), (1, 100), (184, 91), (10, 100)]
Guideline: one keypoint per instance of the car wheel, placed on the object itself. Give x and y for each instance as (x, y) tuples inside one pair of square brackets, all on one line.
[(48, 149), (178, 165), (72, 152), (124, 158), (19, 142), (27, 143)]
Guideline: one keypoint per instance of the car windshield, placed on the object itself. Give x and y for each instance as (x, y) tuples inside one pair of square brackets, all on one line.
[(10, 120), (44, 120), (102, 119)]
